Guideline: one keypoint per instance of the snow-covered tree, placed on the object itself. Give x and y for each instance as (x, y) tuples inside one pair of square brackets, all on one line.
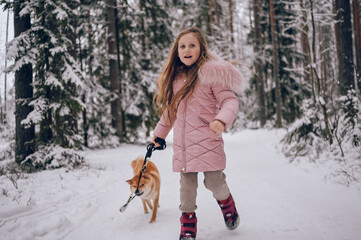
[(47, 48), (288, 57), (145, 37), (96, 117), (330, 123)]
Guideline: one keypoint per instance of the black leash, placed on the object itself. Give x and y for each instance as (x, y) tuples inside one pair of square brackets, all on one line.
[(150, 150)]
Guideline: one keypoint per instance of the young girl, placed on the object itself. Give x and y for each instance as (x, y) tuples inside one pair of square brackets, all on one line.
[(196, 98)]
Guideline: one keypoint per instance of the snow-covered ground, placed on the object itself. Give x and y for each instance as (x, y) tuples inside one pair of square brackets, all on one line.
[(275, 199)]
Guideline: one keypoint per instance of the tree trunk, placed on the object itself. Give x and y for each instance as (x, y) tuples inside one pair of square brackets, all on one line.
[(210, 3), (72, 117), (118, 41), (323, 52), (357, 29), (4, 114), (83, 98), (85, 122), (318, 81), (142, 28), (304, 43), (215, 5), (275, 65), (113, 69), (230, 11), (258, 62), (25, 137), (344, 45)]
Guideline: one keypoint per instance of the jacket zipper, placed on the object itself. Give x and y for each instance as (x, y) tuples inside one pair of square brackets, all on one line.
[(184, 141)]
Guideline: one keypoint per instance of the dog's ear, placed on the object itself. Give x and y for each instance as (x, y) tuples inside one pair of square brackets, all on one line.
[(129, 181)]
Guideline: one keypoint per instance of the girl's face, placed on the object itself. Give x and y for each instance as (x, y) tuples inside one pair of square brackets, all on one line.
[(188, 49)]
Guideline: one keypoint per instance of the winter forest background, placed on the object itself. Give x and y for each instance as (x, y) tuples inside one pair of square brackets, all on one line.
[(81, 74)]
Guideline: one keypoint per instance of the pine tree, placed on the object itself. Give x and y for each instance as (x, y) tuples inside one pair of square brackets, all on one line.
[(49, 47)]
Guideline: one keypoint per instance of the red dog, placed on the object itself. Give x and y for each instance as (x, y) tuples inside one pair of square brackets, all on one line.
[(149, 185)]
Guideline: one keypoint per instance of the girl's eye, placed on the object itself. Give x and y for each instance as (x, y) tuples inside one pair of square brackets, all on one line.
[(192, 45), (182, 46)]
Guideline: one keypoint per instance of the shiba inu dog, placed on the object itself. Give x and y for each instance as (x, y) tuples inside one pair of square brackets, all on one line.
[(149, 185)]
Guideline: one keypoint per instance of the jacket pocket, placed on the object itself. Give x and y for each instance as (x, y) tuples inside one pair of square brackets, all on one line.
[(206, 123), (203, 121)]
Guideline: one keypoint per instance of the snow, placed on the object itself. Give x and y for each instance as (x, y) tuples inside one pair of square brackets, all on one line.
[(275, 199), (60, 13)]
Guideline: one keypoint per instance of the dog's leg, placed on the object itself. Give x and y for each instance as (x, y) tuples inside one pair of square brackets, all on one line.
[(155, 209), (145, 206), (150, 204)]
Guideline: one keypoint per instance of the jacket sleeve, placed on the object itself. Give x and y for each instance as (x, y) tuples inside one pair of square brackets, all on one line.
[(163, 126), (228, 104)]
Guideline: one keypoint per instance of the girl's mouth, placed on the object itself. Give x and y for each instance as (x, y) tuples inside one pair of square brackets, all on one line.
[(187, 56)]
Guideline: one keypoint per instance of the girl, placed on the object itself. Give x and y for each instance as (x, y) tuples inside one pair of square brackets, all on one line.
[(196, 98)]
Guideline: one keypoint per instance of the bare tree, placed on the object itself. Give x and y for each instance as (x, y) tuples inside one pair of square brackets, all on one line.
[(215, 5), (304, 43), (211, 19), (357, 30), (4, 115), (315, 75), (275, 65), (230, 11), (344, 45), (258, 63)]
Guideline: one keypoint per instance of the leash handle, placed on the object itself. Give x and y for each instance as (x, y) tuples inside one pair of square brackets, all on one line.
[(161, 142), (151, 148)]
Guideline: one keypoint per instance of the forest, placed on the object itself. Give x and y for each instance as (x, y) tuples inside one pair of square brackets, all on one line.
[(85, 72)]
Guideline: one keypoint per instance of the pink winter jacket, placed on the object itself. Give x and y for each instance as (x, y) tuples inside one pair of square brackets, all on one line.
[(196, 147)]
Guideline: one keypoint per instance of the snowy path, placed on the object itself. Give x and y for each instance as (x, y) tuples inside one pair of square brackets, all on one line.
[(276, 200)]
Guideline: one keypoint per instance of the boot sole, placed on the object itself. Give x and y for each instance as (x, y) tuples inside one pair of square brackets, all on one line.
[(187, 238), (232, 227)]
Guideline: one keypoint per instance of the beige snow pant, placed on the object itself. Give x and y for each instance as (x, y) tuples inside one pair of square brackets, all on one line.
[(213, 181)]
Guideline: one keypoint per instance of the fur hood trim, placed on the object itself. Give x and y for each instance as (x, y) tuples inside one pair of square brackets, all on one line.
[(218, 71)]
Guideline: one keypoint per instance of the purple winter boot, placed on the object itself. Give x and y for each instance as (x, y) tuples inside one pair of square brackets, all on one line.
[(229, 211), (188, 226)]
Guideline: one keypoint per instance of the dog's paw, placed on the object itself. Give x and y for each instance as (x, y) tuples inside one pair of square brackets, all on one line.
[(151, 220)]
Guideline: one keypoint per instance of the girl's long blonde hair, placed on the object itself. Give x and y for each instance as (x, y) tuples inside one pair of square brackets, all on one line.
[(164, 98)]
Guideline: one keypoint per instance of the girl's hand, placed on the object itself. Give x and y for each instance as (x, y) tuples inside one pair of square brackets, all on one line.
[(217, 126), (155, 144)]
